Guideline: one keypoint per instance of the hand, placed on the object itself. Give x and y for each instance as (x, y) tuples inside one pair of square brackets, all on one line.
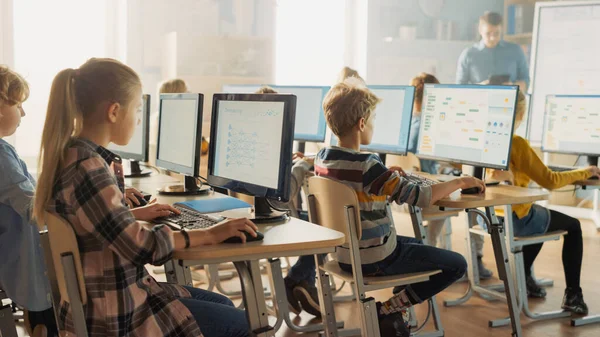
[(230, 228), (300, 155), (503, 176), (594, 171), (397, 169), (468, 182), (130, 197), (153, 210)]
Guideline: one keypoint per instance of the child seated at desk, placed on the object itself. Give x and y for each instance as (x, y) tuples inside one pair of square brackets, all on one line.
[(22, 271), (82, 182), (533, 219), (349, 110)]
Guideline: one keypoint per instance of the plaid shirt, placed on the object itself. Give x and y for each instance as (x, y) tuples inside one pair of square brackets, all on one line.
[(123, 299)]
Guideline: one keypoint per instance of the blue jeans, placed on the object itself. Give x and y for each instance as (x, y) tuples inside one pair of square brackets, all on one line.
[(215, 314), (412, 256)]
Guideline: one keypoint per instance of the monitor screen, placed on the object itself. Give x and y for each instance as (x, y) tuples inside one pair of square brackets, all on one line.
[(310, 119), (251, 144), (572, 124), (137, 148), (392, 120), (241, 88), (469, 124), (179, 129)]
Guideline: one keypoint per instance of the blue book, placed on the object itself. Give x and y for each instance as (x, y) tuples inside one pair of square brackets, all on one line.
[(214, 205)]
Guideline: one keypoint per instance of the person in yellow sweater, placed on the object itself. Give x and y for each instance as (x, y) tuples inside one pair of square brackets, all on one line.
[(532, 219)]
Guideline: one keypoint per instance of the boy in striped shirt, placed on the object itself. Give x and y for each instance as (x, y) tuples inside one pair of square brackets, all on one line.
[(350, 113)]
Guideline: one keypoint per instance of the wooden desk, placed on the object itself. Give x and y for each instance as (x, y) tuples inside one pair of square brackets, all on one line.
[(500, 195)]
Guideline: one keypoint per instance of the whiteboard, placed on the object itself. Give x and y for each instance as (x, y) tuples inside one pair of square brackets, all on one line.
[(565, 56)]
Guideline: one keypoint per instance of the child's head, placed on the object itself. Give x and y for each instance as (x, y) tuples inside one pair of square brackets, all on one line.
[(13, 91), (175, 86), (348, 72), (349, 110), (102, 97), (265, 89), (419, 82), (520, 110)]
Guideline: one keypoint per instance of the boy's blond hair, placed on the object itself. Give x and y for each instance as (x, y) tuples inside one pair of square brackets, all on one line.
[(174, 86), (521, 107), (348, 72), (346, 103), (265, 89), (13, 87)]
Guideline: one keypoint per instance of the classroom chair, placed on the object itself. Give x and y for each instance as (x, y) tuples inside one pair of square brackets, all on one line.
[(7, 319), (515, 246), (64, 270), (335, 205)]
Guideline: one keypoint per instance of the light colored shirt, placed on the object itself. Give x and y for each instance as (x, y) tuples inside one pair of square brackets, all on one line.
[(477, 63), (22, 266), (428, 166)]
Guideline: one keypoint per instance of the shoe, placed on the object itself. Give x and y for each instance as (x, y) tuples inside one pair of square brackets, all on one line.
[(533, 289), (293, 302), (484, 273), (573, 302), (308, 296), (393, 324)]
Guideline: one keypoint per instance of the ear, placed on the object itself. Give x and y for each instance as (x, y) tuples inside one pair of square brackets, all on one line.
[(113, 112), (362, 123)]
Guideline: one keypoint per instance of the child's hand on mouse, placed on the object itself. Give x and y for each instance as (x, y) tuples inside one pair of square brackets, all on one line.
[(230, 228), (594, 171), (470, 182), (130, 197), (153, 211), (397, 169)]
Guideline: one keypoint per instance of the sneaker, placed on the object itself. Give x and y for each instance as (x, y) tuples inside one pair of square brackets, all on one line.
[(293, 302), (308, 296), (393, 325), (484, 273), (533, 289), (573, 302)]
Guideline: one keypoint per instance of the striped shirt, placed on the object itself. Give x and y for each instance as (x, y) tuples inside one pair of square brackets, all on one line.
[(123, 299), (375, 185)]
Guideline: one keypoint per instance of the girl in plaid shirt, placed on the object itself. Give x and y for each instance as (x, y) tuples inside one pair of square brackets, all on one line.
[(81, 181)]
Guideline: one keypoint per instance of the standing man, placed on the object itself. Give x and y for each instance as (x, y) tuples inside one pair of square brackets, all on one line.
[(492, 56)]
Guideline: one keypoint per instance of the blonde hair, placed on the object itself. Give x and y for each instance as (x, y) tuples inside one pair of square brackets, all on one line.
[(419, 82), (75, 95), (13, 87), (348, 72), (265, 89), (346, 103), (521, 107), (175, 86)]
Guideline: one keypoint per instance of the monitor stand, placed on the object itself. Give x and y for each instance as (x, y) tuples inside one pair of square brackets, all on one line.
[(134, 170), (479, 172), (189, 187), (263, 213), (593, 160), (301, 147)]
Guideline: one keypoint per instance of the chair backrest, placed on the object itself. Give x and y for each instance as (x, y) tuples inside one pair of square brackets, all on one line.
[(63, 243), (330, 203), (410, 162)]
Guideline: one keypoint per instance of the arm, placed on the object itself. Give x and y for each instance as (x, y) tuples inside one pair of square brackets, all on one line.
[(526, 160), (462, 70), (522, 71), (16, 187)]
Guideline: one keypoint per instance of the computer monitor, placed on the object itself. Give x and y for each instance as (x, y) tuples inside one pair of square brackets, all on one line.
[(179, 140), (137, 149), (251, 148), (468, 124), (572, 125), (241, 88), (392, 120), (310, 119)]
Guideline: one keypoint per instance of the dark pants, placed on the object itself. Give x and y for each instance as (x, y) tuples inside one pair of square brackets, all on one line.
[(411, 256), (215, 314), (572, 251), (46, 318)]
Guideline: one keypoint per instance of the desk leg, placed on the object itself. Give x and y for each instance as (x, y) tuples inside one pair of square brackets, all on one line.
[(177, 273), (499, 244), (595, 215), (416, 215), (254, 299)]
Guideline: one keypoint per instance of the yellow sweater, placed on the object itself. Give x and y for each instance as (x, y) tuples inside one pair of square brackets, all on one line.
[(527, 166)]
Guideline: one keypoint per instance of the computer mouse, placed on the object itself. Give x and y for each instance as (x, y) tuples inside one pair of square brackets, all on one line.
[(594, 178), (142, 201), (249, 238), (472, 190)]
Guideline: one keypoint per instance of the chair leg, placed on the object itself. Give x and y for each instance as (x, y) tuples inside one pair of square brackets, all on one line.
[(585, 320), (7, 322)]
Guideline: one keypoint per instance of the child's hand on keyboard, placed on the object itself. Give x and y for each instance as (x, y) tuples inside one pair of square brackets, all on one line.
[(153, 211), (230, 228), (397, 169)]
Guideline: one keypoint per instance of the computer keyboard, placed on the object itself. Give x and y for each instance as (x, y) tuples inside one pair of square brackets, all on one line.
[(189, 219), (417, 179), (559, 168)]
